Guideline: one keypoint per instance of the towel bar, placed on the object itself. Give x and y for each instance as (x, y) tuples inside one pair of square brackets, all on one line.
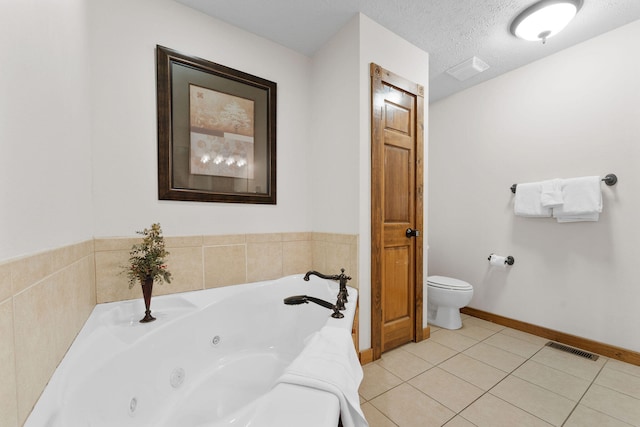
[(609, 179)]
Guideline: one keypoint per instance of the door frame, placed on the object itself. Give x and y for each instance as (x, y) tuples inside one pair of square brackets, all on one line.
[(379, 75)]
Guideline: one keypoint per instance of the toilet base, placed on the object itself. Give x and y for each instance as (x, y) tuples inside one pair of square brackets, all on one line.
[(444, 317)]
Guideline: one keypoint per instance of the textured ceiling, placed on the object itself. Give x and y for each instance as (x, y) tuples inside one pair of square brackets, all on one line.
[(450, 30)]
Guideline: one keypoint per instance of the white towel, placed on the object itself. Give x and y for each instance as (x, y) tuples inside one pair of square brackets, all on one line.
[(578, 218), (329, 362), (582, 200), (551, 193), (527, 201)]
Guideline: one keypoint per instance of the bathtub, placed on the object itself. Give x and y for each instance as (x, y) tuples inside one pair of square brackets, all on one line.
[(211, 358)]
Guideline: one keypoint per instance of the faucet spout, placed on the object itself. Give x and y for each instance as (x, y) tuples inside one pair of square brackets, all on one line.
[(322, 276), (341, 278)]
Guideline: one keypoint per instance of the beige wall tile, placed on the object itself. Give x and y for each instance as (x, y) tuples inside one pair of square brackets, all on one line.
[(115, 243), (67, 255), (235, 239), (36, 349), (296, 257), (84, 279), (74, 299), (186, 266), (111, 284), (233, 259), (264, 261), (183, 241), (225, 265), (319, 255), (338, 256), (29, 270), (6, 291), (66, 302), (8, 393), (291, 237), (348, 239), (263, 238)]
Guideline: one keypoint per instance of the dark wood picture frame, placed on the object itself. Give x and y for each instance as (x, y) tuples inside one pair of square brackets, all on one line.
[(216, 132)]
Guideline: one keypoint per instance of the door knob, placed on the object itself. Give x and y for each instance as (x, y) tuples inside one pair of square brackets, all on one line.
[(412, 233)]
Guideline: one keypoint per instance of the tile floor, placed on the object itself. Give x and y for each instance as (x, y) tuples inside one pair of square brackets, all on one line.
[(486, 375)]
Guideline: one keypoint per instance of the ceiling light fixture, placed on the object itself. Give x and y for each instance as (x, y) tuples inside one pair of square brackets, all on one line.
[(544, 19)]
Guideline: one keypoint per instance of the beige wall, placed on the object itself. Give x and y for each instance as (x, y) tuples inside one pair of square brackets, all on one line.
[(44, 301), (46, 298)]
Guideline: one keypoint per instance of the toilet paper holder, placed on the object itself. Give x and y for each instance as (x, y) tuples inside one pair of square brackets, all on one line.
[(508, 260)]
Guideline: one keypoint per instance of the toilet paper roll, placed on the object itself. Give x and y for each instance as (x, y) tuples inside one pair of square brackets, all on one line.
[(498, 261)]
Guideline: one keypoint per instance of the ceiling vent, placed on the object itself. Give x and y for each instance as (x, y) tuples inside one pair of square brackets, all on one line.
[(468, 68)]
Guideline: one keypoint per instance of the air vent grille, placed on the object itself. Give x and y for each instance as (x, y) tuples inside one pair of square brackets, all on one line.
[(572, 350)]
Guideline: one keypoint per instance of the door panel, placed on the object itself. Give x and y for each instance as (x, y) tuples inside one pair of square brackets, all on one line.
[(396, 182), (396, 185)]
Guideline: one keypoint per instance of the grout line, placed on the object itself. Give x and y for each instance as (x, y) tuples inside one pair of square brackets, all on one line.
[(485, 392), (584, 394), (508, 374)]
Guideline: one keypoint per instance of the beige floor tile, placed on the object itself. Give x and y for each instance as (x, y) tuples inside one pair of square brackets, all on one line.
[(486, 375), (514, 345), (619, 381), (536, 400), (496, 357), (627, 368), (613, 403), (583, 416), (376, 381), (570, 363), (408, 407), (458, 421), (474, 321), (376, 418), (533, 339), (559, 382), (446, 388), (403, 364), (430, 351), (452, 339), (490, 411), (471, 370), (476, 332)]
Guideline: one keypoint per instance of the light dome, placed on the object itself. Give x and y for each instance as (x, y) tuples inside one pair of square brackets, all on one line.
[(544, 19)]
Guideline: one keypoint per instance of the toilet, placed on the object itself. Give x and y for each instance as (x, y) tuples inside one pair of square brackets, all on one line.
[(445, 297)]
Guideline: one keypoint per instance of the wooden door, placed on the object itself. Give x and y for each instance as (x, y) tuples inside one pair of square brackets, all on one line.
[(397, 138)]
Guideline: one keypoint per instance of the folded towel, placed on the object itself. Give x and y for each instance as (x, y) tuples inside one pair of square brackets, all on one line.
[(527, 201), (329, 362), (582, 200), (551, 193), (579, 218)]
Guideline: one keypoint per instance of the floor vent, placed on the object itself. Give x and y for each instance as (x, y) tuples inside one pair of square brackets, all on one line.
[(572, 350)]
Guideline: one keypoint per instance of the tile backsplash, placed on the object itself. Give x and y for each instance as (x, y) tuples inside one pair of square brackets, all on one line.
[(44, 301), (45, 298), (202, 262)]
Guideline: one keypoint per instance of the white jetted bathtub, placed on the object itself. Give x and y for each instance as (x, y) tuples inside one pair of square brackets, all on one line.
[(212, 358)]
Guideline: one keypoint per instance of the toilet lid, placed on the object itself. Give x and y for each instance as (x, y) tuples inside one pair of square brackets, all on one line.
[(448, 283)]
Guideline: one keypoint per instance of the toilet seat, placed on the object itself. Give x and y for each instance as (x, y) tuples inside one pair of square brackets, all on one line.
[(448, 283)]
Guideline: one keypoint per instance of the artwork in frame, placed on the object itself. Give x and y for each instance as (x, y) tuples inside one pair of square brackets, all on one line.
[(216, 132)]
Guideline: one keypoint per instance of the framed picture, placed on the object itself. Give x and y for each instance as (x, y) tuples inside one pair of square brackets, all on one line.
[(216, 132)]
